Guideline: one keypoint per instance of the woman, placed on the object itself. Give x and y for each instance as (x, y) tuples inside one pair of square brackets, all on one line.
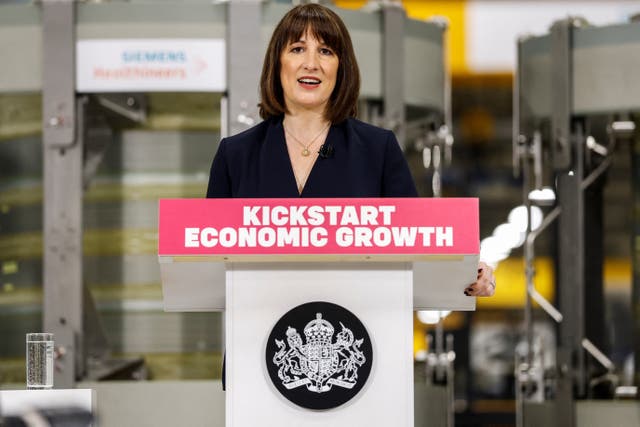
[(310, 144)]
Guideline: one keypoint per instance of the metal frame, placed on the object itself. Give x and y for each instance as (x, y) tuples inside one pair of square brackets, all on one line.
[(571, 147), (562, 87), (70, 160), (62, 175), (635, 255), (571, 292), (21, 48), (393, 21), (244, 62), (71, 156), (567, 151), (604, 59)]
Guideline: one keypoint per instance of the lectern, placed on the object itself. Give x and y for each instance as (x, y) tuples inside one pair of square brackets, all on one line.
[(318, 296)]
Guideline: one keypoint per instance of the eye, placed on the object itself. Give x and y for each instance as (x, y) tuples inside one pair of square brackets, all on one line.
[(326, 51), (296, 49)]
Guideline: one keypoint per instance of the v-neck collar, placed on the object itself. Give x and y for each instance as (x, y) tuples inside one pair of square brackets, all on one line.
[(277, 145)]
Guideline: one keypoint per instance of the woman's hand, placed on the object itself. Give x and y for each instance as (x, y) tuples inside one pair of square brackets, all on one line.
[(485, 286)]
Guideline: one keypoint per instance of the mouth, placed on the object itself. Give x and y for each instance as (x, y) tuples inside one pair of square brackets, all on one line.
[(309, 81)]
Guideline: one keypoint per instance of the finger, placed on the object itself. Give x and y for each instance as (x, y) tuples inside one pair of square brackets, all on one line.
[(488, 290), (482, 288)]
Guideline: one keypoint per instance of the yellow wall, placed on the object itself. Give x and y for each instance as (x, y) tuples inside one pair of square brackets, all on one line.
[(511, 290)]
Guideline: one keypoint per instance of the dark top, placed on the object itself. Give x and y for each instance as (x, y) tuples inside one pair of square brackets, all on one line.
[(366, 162)]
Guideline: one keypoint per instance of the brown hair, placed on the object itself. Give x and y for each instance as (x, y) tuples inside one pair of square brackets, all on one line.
[(324, 24)]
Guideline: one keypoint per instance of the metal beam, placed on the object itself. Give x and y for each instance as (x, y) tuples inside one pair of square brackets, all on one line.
[(244, 62), (62, 175), (635, 254), (567, 152), (571, 285), (393, 21), (561, 85)]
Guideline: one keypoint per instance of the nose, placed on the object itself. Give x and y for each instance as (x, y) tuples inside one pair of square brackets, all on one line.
[(310, 61)]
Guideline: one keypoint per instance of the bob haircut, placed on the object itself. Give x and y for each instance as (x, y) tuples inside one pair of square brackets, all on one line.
[(325, 25)]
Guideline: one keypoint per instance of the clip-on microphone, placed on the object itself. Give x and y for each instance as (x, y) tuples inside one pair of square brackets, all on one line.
[(326, 151)]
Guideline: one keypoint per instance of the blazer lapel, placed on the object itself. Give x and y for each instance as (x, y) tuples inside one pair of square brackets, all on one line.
[(276, 174)]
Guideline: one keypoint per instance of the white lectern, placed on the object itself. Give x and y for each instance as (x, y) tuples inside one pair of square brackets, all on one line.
[(378, 258)]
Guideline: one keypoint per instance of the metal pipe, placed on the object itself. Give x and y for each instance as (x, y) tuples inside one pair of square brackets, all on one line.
[(521, 369), (436, 161), (536, 152), (529, 251), (439, 338), (517, 170), (602, 167), (528, 257), (516, 137), (531, 237), (623, 126), (579, 261), (451, 357), (544, 304), (133, 115), (617, 128), (634, 152), (597, 354)]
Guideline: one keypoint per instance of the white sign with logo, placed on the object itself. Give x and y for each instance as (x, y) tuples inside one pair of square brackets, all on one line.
[(140, 65)]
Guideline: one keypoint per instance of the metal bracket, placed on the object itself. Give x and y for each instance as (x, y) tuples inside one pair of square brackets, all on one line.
[(58, 77)]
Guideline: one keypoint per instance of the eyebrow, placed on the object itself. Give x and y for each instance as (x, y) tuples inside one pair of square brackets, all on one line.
[(322, 43)]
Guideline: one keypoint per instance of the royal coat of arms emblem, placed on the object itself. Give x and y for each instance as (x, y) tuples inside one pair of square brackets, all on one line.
[(322, 362), (319, 355)]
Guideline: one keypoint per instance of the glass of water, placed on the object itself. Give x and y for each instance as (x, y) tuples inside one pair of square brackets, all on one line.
[(39, 361)]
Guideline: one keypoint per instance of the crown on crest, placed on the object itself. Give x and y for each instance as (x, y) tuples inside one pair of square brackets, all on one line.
[(318, 331)]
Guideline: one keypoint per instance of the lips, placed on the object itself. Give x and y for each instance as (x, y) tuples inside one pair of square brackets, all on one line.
[(309, 81)]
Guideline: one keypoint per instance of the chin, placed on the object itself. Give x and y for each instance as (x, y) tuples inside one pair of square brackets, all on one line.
[(312, 104)]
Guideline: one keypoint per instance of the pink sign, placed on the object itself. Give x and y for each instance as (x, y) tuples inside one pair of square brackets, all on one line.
[(378, 226)]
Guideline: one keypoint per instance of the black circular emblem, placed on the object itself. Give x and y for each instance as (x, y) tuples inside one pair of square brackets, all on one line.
[(319, 355)]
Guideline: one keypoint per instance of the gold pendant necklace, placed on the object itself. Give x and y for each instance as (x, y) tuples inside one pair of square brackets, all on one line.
[(305, 148)]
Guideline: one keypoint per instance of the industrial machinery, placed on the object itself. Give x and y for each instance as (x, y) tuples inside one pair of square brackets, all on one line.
[(78, 244), (575, 110)]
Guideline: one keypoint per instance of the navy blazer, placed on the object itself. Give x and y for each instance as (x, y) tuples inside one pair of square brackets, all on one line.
[(366, 162)]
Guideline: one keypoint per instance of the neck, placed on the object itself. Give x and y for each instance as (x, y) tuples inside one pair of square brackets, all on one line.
[(305, 123)]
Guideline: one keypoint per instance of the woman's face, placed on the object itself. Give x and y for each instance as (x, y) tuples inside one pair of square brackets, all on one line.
[(308, 70)]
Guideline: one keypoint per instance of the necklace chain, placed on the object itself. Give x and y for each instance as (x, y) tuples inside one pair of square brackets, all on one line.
[(300, 181), (305, 148)]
